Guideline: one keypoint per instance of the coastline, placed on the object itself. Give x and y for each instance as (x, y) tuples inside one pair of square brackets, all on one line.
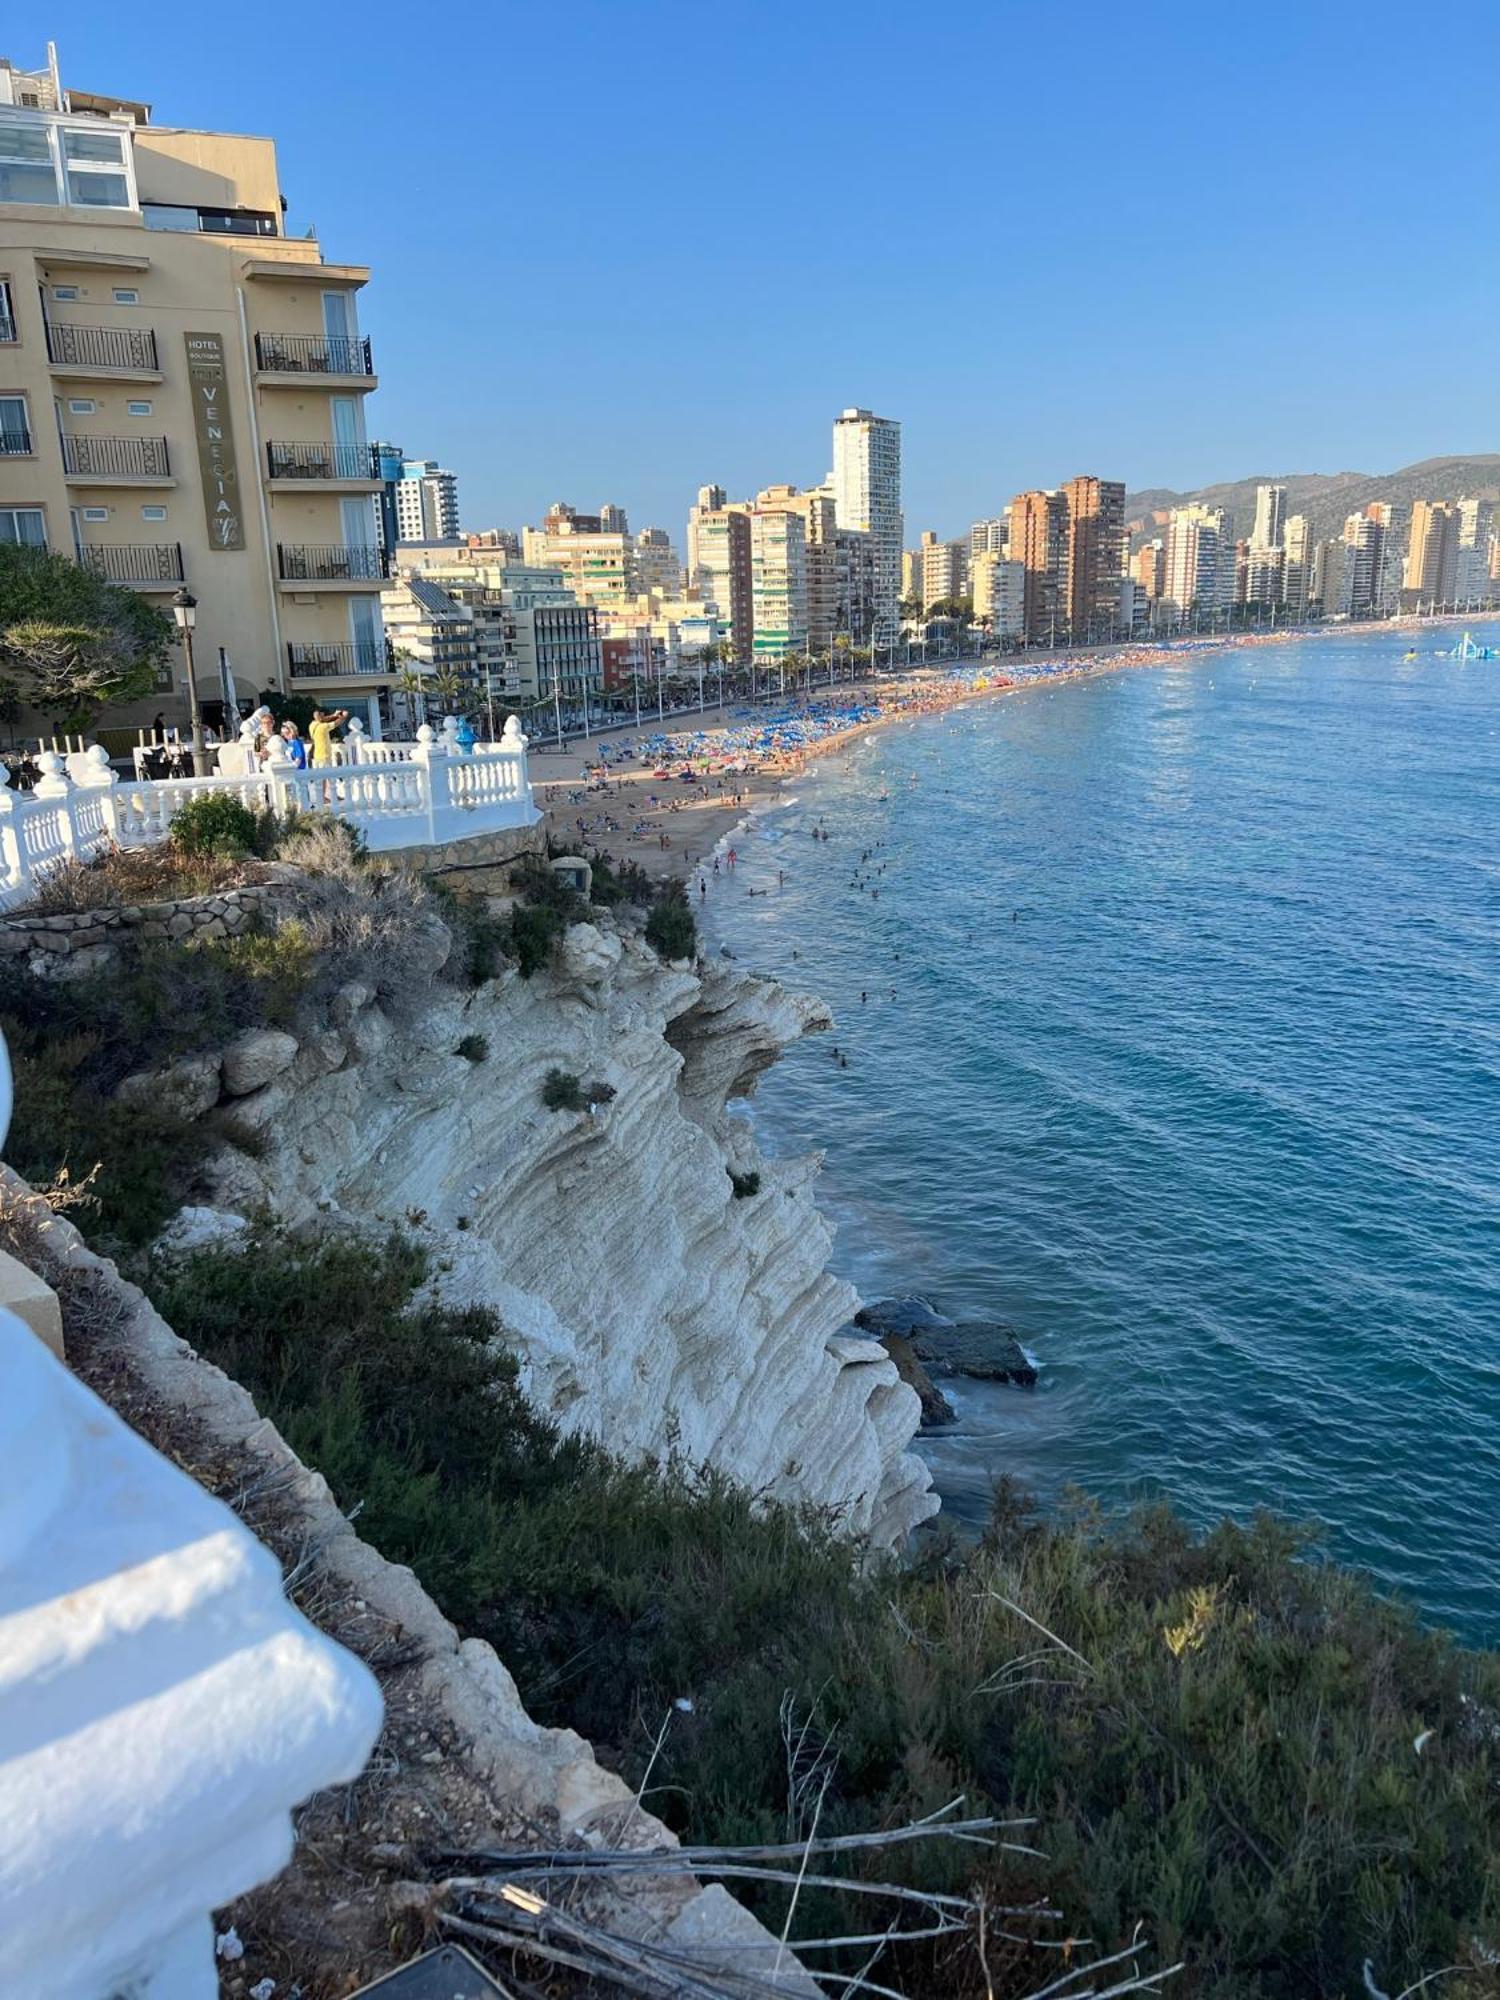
[(639, 811)]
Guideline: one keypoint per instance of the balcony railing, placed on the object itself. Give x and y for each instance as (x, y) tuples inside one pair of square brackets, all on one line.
[(306, 354), (117, 458), (106, 347), (321, 461), (338, 657), (300, 563), (133, 562), (15, 444)]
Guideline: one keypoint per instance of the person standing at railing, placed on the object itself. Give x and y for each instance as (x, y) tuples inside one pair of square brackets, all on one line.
[(296, 749), (321, 729)]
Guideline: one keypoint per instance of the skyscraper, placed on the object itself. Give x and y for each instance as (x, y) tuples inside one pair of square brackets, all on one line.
[(1200, 560), (866, 483), (1296, 576), (778, 582), (1270, 516), (426, 502), (1148, 568), (1431, 554), (1037, 540), (1471, 581), (723, 575), (1093, 556), (710, 500)]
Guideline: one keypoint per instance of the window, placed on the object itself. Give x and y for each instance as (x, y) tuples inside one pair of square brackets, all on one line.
[(137, 409), (90, 156), (7, 312), (81, 406), (15, 425), (65, 292), (126, 295), (27, 173), (26, 525), (153, 513), (96, 513)]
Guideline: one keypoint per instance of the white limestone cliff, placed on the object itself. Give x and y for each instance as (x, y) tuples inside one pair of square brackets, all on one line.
[(645, 1300)]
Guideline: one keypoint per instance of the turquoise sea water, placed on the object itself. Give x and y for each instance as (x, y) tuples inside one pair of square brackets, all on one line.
[(1181, 1051)]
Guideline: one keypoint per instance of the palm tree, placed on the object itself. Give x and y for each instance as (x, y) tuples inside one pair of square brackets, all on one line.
[(411, 683)]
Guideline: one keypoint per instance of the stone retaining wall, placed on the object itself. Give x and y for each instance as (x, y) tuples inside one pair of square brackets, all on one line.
[(47, 941), (484, 850)]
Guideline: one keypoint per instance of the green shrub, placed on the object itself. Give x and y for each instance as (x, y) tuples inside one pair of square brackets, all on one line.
[(531, 936), (474, 1048), (562, 1091), (618, 881), (1215, 1734), (213, 823), (540, 885), (744, 1185), (670, 929)]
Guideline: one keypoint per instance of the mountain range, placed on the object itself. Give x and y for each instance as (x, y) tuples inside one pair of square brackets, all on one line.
[(1326, 497)]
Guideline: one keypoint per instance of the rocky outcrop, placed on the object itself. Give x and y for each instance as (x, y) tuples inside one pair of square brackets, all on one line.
[(986, 1349), (646, 1303)]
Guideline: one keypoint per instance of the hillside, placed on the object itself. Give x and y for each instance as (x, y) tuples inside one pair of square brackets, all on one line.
[(1326, 496)]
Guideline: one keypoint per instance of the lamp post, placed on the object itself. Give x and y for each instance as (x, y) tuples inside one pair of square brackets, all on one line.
[(185, 611)]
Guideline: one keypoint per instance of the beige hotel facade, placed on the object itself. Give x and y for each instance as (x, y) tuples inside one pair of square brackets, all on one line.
[(182, 392)]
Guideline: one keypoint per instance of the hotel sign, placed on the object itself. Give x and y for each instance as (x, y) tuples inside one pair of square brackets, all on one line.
[(208, 379)]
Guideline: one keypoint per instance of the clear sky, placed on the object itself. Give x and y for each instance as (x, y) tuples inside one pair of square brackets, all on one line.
[(621, 250)]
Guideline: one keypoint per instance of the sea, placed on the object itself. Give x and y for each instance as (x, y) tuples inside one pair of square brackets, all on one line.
[(1168, 1026)]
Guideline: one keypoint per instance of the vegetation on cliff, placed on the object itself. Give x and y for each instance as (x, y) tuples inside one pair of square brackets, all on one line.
[(1284, 1777)]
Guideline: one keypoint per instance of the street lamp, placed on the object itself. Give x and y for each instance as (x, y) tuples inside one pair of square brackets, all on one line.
[(185, 611)]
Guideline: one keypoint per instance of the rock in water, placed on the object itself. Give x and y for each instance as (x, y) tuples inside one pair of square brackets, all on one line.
[(906, 1317), (984, 1348), (936, 1409)]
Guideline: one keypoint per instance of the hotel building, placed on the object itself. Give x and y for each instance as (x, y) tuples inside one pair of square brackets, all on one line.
[(182, 390), (866, 487)]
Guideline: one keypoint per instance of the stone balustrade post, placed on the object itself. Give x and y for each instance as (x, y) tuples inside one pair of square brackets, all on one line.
[(431, 762), (513, 738), (354, 740), (12, 867), (165, 1707), (56, 788), (93, 773)]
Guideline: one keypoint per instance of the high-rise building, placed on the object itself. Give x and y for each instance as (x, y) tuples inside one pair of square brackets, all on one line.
[(1296, 574), (599, 562), (866, 485), (911, 576), (1326, 589), (184, 388), (710, 500), (1362, 540), (656, 564), (1093, 556), (1000, 593), (1394, 523), (778, 583), (1471, 578), (1431, 554), (1037, 540), (1200, 562), (1265, 574), (944, 570), (612, 520), (723, 575), (1148, 569), (1270, 518), (988, 537), (426, 502)]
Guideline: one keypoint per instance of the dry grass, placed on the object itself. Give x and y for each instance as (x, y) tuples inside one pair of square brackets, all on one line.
[(130, 875)]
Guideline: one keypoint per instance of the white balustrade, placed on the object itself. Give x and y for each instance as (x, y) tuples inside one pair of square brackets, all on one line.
[(162, 1707), (397, 794)]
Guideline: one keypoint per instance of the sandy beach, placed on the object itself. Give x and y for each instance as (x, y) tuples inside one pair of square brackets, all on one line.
[(666, 795)]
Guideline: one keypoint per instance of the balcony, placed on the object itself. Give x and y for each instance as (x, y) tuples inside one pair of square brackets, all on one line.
[(15, 444), (322, 464), (290, 358), (338, 659), (144, 565), (103, 350), (360, 566), (128, 461)]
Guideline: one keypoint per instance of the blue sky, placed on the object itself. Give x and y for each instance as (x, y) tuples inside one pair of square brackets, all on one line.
[(620, 250)]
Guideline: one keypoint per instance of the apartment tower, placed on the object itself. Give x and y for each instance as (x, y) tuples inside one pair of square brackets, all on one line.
[(182, 390), (1037, 539), (1093, 556), (866, 486), (1270, 517)]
